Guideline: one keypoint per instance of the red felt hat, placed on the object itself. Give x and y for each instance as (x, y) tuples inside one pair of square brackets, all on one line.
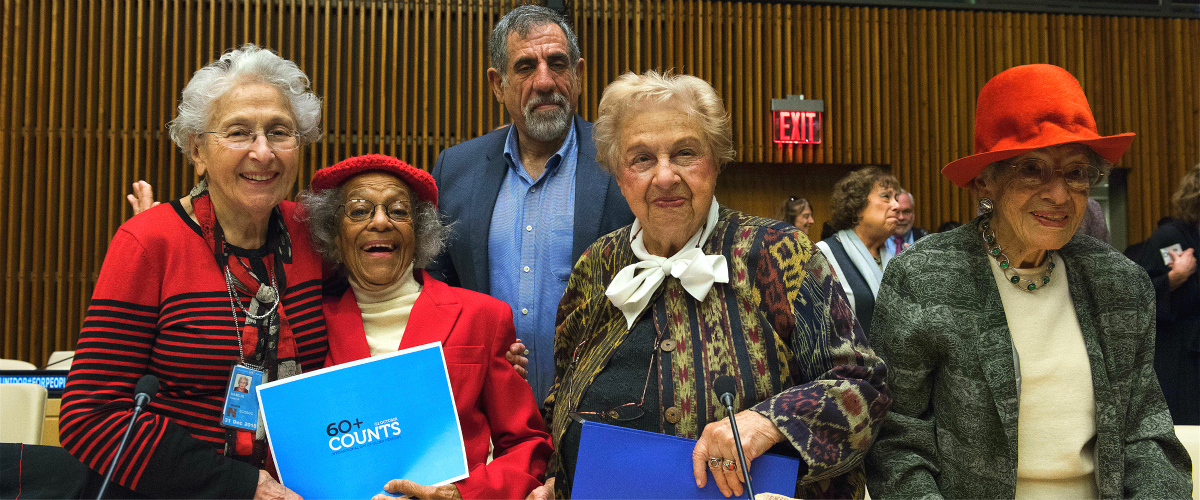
[(418, 180), (1029, 107)]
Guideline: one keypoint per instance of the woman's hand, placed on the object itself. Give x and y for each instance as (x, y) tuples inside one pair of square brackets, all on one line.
[(758, 435), (142, 198), (1182, 265), (543, 492), (270, 489), (413, 490), (516, 356)]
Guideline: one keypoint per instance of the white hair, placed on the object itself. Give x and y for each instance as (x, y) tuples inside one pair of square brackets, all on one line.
[(249, 63)]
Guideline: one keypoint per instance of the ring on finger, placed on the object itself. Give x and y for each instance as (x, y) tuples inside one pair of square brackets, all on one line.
[(730, 465), (714, 463)]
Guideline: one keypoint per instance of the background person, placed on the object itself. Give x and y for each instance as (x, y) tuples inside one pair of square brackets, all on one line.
[(527, 199), (1177, 301), (374, 219), (905, 233), (746, 296), (1019, 354), (1094, 222), (865, 213), (193, 287), (797, 212)]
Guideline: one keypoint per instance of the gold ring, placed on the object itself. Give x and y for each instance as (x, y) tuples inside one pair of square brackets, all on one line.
[(730, 465)]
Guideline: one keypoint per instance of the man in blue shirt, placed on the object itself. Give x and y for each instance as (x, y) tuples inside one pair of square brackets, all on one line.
[(904, 234), (527, 199)]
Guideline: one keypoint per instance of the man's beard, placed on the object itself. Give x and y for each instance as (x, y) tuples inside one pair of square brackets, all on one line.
[(546, 126)]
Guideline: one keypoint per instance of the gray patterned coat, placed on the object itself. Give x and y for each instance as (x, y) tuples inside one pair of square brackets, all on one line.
[(952, 432)]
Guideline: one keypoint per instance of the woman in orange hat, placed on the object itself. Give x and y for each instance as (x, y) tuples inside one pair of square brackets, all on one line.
[(1020, 355)]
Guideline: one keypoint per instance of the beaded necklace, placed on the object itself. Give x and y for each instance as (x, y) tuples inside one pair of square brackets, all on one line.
[(989, 238)]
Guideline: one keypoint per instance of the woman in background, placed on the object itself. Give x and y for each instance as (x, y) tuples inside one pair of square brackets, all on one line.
[(797, 212), (1177, 301), (865, 214)]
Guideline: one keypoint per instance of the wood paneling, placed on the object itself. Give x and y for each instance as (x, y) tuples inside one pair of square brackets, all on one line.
[(87, 86)]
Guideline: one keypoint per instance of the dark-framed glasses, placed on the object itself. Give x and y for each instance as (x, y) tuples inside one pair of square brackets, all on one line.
[(1036, 172), (278, 138), (361, 210)]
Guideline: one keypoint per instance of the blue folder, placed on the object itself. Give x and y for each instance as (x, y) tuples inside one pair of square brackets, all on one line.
[(619, 463), (346, 430)]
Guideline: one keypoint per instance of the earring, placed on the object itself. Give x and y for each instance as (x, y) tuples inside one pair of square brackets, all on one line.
[(986, 205)]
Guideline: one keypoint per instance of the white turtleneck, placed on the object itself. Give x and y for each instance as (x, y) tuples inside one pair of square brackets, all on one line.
[(385, 312)]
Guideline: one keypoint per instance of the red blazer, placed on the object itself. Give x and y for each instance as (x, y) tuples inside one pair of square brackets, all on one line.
[(494, 402)]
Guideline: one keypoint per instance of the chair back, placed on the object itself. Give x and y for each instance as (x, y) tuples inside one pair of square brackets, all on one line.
[(22, 412), (16, 364), (60, 360)]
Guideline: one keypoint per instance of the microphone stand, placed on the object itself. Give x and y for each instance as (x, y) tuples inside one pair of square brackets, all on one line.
[(148, 383), (727, 400)]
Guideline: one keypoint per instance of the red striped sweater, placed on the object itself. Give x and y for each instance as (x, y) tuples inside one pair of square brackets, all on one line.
[(161, 307)]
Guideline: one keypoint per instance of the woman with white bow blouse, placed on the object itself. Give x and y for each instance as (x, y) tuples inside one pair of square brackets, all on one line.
[(656, 311)]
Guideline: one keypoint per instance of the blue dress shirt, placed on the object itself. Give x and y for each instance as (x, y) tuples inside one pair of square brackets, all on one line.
[(529, 250), (890, 244)]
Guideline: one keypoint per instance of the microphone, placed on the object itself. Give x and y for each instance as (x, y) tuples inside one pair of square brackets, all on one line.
[(726, 387), (143, 392)]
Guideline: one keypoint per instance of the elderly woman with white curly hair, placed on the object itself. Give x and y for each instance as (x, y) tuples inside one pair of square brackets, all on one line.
[(656, 312), (201, 291)]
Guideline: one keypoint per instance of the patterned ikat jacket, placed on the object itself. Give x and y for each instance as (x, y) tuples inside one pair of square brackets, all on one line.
[(782, 327), (952, 432)]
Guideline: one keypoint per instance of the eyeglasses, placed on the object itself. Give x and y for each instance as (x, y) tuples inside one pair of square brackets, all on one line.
[(278, 138), (1036, 172), (361, 210)]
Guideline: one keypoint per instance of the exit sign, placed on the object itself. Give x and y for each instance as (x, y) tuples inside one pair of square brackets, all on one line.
[(796, 120)]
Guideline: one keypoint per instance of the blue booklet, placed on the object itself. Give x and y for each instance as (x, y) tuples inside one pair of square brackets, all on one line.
[(346, 430), (619, 463)]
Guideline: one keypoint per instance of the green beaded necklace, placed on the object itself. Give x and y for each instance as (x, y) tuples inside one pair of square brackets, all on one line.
[(989, 238)]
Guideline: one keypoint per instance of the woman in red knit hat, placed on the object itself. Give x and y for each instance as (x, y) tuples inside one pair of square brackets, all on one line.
[(374, 218), (1020, 355)]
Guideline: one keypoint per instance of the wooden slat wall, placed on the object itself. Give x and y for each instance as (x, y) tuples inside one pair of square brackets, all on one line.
[(86, 88)]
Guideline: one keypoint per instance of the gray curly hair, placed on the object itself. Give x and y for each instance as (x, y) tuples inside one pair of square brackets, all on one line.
[(320, 209), (250, 63), (521, 21)]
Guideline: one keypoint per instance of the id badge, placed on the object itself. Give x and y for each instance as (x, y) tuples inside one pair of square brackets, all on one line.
[(1166, 252), (241, 400)]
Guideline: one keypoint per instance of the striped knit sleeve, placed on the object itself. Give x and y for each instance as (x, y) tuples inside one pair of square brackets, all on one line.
[(161, 459)]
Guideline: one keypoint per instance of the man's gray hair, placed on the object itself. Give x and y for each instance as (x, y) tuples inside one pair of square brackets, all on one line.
[(320, 209), (521, 21), (912, 199), (250, 63)]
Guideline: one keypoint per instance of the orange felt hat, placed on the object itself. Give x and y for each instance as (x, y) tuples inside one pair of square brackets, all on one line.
[(1029, 107), (418, 180)]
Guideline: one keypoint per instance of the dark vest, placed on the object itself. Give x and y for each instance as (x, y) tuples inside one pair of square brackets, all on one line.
[(864, 300)]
